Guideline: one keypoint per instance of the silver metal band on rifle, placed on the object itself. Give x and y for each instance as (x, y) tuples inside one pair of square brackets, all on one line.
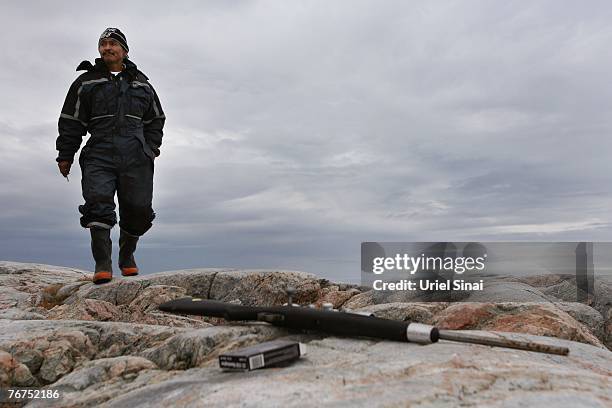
[(419, 333)]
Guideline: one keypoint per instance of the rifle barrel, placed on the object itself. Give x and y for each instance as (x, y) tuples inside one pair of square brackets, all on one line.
[(501, 341)]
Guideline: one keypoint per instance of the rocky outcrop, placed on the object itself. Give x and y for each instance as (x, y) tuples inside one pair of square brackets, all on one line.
[(110, 345), (24, 284), (362, 373), (14, 372), (542, 319), (141, 308), (52, 349)]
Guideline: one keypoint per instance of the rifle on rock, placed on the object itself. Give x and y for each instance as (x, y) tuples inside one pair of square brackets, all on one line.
[(346, 324)]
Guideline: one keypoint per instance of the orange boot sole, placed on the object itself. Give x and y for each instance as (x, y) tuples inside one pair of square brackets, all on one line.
[(102, 277), (129, 271)]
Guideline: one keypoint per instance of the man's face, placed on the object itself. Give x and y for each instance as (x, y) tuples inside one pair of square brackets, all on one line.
[(111, 51)]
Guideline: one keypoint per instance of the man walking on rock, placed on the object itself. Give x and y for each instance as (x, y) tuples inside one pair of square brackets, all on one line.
[(116, 104)]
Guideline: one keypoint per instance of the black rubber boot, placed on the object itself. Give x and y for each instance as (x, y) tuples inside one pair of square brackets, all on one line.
[(127, 246), (101, 248)]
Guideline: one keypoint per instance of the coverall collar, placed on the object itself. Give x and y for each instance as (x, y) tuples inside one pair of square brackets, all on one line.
[(130, 68)]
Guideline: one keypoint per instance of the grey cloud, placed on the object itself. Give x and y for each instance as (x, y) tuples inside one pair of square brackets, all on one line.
[(297, 130)]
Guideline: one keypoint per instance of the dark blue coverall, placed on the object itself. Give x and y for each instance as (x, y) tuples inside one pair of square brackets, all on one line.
[(125, 119)]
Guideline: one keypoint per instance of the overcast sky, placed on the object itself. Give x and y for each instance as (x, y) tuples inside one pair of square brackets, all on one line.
[(298, 129)]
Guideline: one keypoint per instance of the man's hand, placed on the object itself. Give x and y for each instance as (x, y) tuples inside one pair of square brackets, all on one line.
[(64, 167)]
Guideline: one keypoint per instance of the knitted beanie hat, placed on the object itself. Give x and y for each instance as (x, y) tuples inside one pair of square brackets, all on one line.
[(117, 35)]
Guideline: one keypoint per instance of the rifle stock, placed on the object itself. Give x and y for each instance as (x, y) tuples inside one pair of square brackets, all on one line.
[(301, 318)]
